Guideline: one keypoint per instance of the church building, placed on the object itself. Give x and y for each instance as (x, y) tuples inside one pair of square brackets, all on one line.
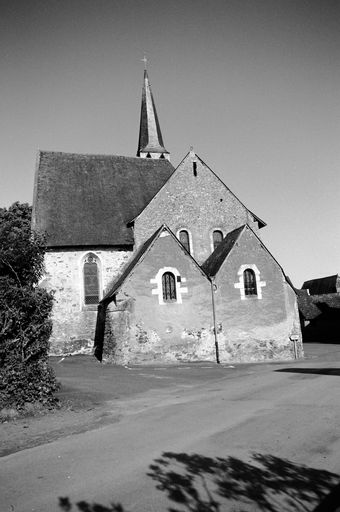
[(151, 263)]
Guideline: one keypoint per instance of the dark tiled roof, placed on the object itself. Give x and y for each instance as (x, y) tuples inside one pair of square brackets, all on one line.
[(87, 200), (321, 285), (215, 260), (312, 306)]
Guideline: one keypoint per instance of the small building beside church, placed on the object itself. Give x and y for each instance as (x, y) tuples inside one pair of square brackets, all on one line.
[(319, 306), (158, 264)]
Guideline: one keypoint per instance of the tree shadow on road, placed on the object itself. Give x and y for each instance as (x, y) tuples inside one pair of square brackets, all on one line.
[(84, 506), (196, 483)]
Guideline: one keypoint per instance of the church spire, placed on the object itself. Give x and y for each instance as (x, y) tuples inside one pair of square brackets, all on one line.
[(150, 144)]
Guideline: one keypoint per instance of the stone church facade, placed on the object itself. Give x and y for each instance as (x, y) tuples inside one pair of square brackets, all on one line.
[(156, 263)]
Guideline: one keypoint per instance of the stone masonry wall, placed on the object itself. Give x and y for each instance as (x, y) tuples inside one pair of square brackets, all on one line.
[(259, 327), (142, 329), (73, 322), (194, 199)]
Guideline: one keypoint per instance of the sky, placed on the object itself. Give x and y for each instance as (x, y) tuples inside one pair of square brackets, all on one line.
[(252, 85)]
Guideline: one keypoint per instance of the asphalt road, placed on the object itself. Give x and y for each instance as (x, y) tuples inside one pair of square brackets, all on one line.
[(250, 438)]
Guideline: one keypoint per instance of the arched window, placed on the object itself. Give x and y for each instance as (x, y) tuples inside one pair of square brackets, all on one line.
[(184, 239), (91, 280), (249, 280), (169, 287), (217, 238)]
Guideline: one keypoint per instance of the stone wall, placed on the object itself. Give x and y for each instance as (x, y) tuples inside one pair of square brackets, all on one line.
[(195, 199), (73, 321), (141, 328), (259, 327)]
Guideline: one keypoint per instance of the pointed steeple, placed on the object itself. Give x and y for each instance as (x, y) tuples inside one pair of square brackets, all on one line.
[(150, 144)]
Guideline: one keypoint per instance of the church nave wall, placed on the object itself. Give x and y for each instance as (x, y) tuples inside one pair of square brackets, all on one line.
[(73, 320)]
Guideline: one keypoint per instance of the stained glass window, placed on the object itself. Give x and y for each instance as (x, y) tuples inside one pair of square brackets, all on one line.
[(249, 282), (91, 281), (169, 287)]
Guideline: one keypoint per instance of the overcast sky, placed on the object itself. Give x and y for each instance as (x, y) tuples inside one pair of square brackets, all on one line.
[(252, 85)]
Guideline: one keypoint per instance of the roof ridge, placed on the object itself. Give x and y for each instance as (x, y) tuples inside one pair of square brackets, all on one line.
[(108, 155)]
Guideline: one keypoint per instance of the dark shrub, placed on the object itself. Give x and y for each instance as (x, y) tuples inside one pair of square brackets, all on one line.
[(25, 313)]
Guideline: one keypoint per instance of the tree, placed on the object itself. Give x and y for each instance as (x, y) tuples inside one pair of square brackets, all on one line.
[(25, 312)]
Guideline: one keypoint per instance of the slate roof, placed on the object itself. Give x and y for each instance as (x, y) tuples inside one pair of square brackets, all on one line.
[(312, 306), (87, 200), (212, 265), (321, 285)]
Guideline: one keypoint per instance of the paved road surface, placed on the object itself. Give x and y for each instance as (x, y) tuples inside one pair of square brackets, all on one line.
[(265, 437)]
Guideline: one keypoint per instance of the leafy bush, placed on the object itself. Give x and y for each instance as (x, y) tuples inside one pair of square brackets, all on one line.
[(25, 313)]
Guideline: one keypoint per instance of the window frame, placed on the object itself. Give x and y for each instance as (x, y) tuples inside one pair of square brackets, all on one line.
[(187, 244), (249, 282), (191, 251), (241, 284), (216, 230), (179, 283), (84, 295), (169, 287)]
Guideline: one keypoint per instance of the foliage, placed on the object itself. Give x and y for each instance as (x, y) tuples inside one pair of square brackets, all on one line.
[(21, 251), (25, 310)]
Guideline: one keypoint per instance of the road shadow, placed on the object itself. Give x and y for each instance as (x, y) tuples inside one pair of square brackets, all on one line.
[(196, 483), (314, 371), (84, 506)]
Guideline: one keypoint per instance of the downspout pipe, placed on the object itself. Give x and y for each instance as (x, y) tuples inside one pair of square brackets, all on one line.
[(213, 288)]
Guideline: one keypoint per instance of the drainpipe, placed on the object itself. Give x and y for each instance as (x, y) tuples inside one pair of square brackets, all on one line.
[(213, 288)]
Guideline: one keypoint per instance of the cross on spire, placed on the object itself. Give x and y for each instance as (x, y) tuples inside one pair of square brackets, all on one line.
[(145, 60)]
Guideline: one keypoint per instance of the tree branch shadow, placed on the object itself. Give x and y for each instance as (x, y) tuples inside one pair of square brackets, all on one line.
[(84, 506), (196, 483)]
